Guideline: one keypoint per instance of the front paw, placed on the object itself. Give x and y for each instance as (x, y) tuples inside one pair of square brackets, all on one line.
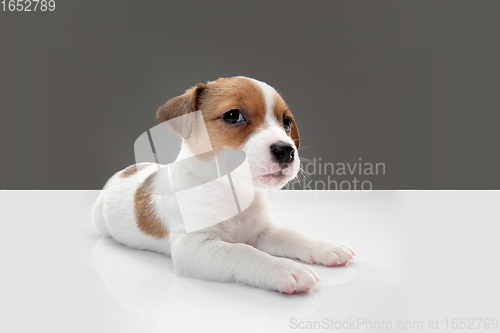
[(329, 254), (289, 277)]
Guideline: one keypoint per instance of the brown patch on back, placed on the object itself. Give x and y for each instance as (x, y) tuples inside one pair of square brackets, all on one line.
[(145, 216), (133, 169), (280, 110)]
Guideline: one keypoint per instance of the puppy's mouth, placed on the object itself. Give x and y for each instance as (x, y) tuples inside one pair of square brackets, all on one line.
[(278, 174), (275, 176), (284, 172)]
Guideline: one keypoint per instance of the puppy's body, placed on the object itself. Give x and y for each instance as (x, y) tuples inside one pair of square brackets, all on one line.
[(239, 113)]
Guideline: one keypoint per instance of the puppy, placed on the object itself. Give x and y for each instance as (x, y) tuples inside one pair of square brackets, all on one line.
[(248, 248)]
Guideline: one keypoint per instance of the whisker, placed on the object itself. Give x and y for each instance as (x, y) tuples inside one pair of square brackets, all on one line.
[(298, 178), (304, 174)]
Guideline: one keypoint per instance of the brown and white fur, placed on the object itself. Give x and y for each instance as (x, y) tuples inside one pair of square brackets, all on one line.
[(248, 248)]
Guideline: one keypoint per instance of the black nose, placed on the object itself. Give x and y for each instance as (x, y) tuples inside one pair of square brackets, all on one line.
[(283, 152)]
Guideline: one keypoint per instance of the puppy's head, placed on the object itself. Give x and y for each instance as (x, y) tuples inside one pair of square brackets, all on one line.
[(244, 113)]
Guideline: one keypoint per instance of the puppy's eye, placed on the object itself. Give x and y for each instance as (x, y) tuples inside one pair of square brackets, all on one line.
[(233, 117), (287, 123)]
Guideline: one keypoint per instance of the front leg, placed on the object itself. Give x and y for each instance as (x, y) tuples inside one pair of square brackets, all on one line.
[(198, 256), (285, 242)]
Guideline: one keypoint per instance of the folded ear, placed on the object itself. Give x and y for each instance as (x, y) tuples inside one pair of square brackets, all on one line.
[(295, 135), (181, 105)]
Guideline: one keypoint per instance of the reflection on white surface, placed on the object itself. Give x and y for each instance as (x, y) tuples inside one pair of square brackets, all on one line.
[(144, 283), (420, 255)]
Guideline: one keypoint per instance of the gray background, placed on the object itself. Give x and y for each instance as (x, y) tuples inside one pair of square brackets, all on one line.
[(414, 85)]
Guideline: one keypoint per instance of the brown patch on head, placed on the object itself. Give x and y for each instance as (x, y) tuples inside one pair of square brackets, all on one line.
[(145, 216), (224, 95), (216, 98), (281, 110), (133, 169)]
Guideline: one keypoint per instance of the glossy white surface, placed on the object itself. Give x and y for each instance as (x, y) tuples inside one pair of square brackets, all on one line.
[(420, 255)]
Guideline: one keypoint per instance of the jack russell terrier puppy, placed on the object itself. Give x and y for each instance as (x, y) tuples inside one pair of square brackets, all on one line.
[(249, 248)]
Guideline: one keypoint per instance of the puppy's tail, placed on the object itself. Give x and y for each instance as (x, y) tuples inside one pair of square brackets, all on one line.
[(98, 215)]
